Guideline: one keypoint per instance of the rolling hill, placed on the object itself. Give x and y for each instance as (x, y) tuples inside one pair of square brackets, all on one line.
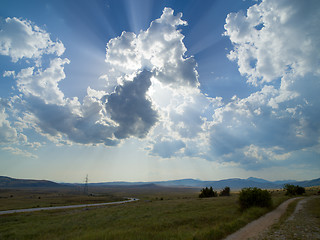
[(233, 183), (7, 182)]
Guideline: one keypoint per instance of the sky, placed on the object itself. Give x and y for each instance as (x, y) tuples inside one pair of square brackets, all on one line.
[(150, 90)]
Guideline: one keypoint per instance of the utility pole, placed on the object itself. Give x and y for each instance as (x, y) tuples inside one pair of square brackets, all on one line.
[(85, 190)]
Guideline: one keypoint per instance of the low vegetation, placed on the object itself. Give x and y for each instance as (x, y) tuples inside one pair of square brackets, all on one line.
[(161, 213), (254, 197), (208, 192), (225, 192), (293, 190)]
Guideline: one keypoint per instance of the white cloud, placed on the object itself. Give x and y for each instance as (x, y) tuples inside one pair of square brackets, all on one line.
[(103, 117), (274, 41), (180, 106), (8, 134), (155, 91), (159, 49), (9, 73), (43, 83), (274, 38), (18, 151), (42, 105), (22, 39), (135, 63)]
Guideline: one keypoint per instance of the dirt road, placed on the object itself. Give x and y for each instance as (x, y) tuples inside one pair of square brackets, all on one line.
[(66, 207), (304, 223), (254, 228)]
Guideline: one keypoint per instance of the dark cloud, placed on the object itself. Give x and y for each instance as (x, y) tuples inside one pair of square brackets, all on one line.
[(131, 109), (59, 121)]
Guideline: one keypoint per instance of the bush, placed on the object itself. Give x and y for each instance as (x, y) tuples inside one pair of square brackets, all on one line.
[(294, 190), (250, 197), (225, 192), (207, 192)]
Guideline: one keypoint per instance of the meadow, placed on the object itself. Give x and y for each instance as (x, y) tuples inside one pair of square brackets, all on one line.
[(161, 213), (16, 198)]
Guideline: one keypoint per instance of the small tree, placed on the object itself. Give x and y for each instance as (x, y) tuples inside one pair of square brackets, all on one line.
[(225, 192), (294, 190), (250, 197), (207, 192)]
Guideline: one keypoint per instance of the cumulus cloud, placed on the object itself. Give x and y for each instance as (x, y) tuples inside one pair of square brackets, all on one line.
[(274, 38), (41, 104), (273, 42), (159, 49), (8, 134), (153, 89), (101, 117), (135, 63), (72, 122), (22, 39), (130, 108), (43, 83), (178, 106)]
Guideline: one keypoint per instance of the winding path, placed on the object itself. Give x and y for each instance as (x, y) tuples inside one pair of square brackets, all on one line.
[(253, 229), (66, 207)]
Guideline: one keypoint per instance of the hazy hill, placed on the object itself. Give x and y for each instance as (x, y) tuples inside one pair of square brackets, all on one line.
[(311, 183), (233, 183), (7, 182)]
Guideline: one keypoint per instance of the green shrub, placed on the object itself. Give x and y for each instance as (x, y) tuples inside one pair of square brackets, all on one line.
[(294, 190), (207, 192), (257, 197), (225, 192)]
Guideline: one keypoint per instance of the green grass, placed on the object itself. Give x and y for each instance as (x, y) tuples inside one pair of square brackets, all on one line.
[(313, 206), (180, 215)]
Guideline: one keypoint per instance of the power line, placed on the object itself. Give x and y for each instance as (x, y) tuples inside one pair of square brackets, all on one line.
[(85, 189)]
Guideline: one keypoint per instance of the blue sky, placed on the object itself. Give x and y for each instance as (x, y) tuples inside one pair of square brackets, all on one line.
[(158, 90)]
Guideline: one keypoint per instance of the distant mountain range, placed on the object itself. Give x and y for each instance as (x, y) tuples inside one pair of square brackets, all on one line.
[(233, 183)]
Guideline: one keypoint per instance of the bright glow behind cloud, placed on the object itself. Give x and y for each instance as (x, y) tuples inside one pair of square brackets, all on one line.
[(159, 49)]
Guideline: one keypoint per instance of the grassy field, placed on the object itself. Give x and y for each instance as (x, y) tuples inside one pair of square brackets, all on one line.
[(162, 213), (40, 197)]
